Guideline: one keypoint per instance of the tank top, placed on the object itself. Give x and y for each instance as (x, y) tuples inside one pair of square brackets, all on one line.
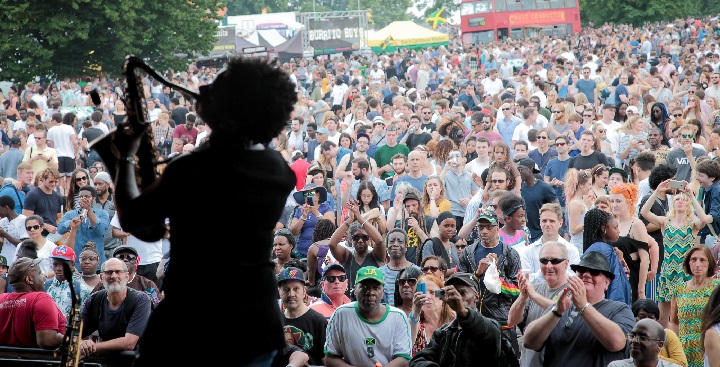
[(577, 239), (715, 327), (351, 267), (513, 241)]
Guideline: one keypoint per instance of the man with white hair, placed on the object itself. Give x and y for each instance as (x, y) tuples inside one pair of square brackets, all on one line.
[(120, 314), (536, 296)]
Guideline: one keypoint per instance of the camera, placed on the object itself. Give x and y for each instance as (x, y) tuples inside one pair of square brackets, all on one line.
[(439, 293)]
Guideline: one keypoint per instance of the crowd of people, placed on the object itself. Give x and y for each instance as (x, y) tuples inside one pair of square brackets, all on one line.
[(446, 208)]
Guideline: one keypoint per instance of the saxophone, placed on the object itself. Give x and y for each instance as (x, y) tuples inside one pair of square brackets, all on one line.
[(70, 348), (136, 112)]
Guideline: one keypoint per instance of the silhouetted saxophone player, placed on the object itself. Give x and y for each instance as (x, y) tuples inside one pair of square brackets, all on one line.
[(247, 105)]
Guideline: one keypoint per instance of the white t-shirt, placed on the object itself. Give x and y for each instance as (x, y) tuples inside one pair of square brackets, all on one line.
[(521, 133), (348, 335), (61, 136), (149, 252), (15, 228)]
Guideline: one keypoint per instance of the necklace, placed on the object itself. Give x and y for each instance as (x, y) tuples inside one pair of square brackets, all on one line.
[(89, 276)]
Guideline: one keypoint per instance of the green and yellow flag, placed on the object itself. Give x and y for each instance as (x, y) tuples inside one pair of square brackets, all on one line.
[(386, 42), (436, 18)]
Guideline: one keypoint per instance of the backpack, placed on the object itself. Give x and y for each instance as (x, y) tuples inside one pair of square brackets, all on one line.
[(438, 248), (94, 307)]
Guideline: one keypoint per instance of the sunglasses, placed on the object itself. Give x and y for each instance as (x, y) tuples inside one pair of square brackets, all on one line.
[(554, 261), (358, 237), (601, 131), (462, 247), (677, 115), (593, 272), (333, 278), (127, 257), (560, 144), (506, 109), (282, 231), (687, 136), (408, 281), (542, 137), (309, 194), (83, 178), (430, 268), (497, 181), (30, 228)]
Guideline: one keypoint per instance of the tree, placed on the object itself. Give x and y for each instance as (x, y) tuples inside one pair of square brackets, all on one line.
[(636, 11), (78, 37)]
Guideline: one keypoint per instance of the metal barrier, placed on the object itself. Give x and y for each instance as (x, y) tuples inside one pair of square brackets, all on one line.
[(32, 357)]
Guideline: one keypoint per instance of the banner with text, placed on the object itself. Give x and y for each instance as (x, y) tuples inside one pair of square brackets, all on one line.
[(332, 35), (225, 42)]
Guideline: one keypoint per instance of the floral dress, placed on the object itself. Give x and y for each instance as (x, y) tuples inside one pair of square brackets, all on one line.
[(690, 306)]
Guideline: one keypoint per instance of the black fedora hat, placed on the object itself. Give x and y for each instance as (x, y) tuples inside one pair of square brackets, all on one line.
[(594, 260)]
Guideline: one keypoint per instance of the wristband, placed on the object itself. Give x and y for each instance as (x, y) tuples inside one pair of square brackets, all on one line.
[(130, 160), (410, 315), (583, 309), (555, 312), (363, 223), (303, 218)]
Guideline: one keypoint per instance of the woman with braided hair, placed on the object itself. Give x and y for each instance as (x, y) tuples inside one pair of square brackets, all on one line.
[(601, 229), (317, 252)]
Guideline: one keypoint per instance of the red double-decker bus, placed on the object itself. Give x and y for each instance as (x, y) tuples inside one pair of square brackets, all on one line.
[(483, 21)]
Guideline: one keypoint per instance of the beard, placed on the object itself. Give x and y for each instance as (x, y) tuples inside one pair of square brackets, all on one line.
[(115, 287)]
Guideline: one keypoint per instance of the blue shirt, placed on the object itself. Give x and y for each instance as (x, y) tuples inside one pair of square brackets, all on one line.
[(557, 169), (18, 196), (586, 87), (542, 159), (86, 232), (464, 97), (506, 128)]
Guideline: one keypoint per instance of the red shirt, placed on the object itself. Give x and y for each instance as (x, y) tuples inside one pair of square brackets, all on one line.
[(300, 168), (181, 131), (21, 314)]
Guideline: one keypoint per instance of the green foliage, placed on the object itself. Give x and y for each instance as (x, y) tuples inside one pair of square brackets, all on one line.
[(74, 38), (638, 12)]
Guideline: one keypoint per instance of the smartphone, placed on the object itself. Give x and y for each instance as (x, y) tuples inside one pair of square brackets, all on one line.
[(421, 287), (676, 184), (310, 201)]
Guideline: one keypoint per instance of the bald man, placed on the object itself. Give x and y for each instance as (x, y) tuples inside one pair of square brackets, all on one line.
[(414, 174), (646, 340)]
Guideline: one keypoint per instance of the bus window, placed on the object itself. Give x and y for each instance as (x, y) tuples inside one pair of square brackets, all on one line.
[(516, 33), (543, 4), (467, 8), (502, 33), (570, 3), (557, 4), (501, 5), (476, 22), (529, 5), (476, 38), (514, 5)]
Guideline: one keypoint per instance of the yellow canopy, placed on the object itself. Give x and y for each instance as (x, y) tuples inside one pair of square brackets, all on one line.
[(406, 34)]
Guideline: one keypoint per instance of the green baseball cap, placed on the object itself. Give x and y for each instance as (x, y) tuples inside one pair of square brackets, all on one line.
[(370, 273)]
